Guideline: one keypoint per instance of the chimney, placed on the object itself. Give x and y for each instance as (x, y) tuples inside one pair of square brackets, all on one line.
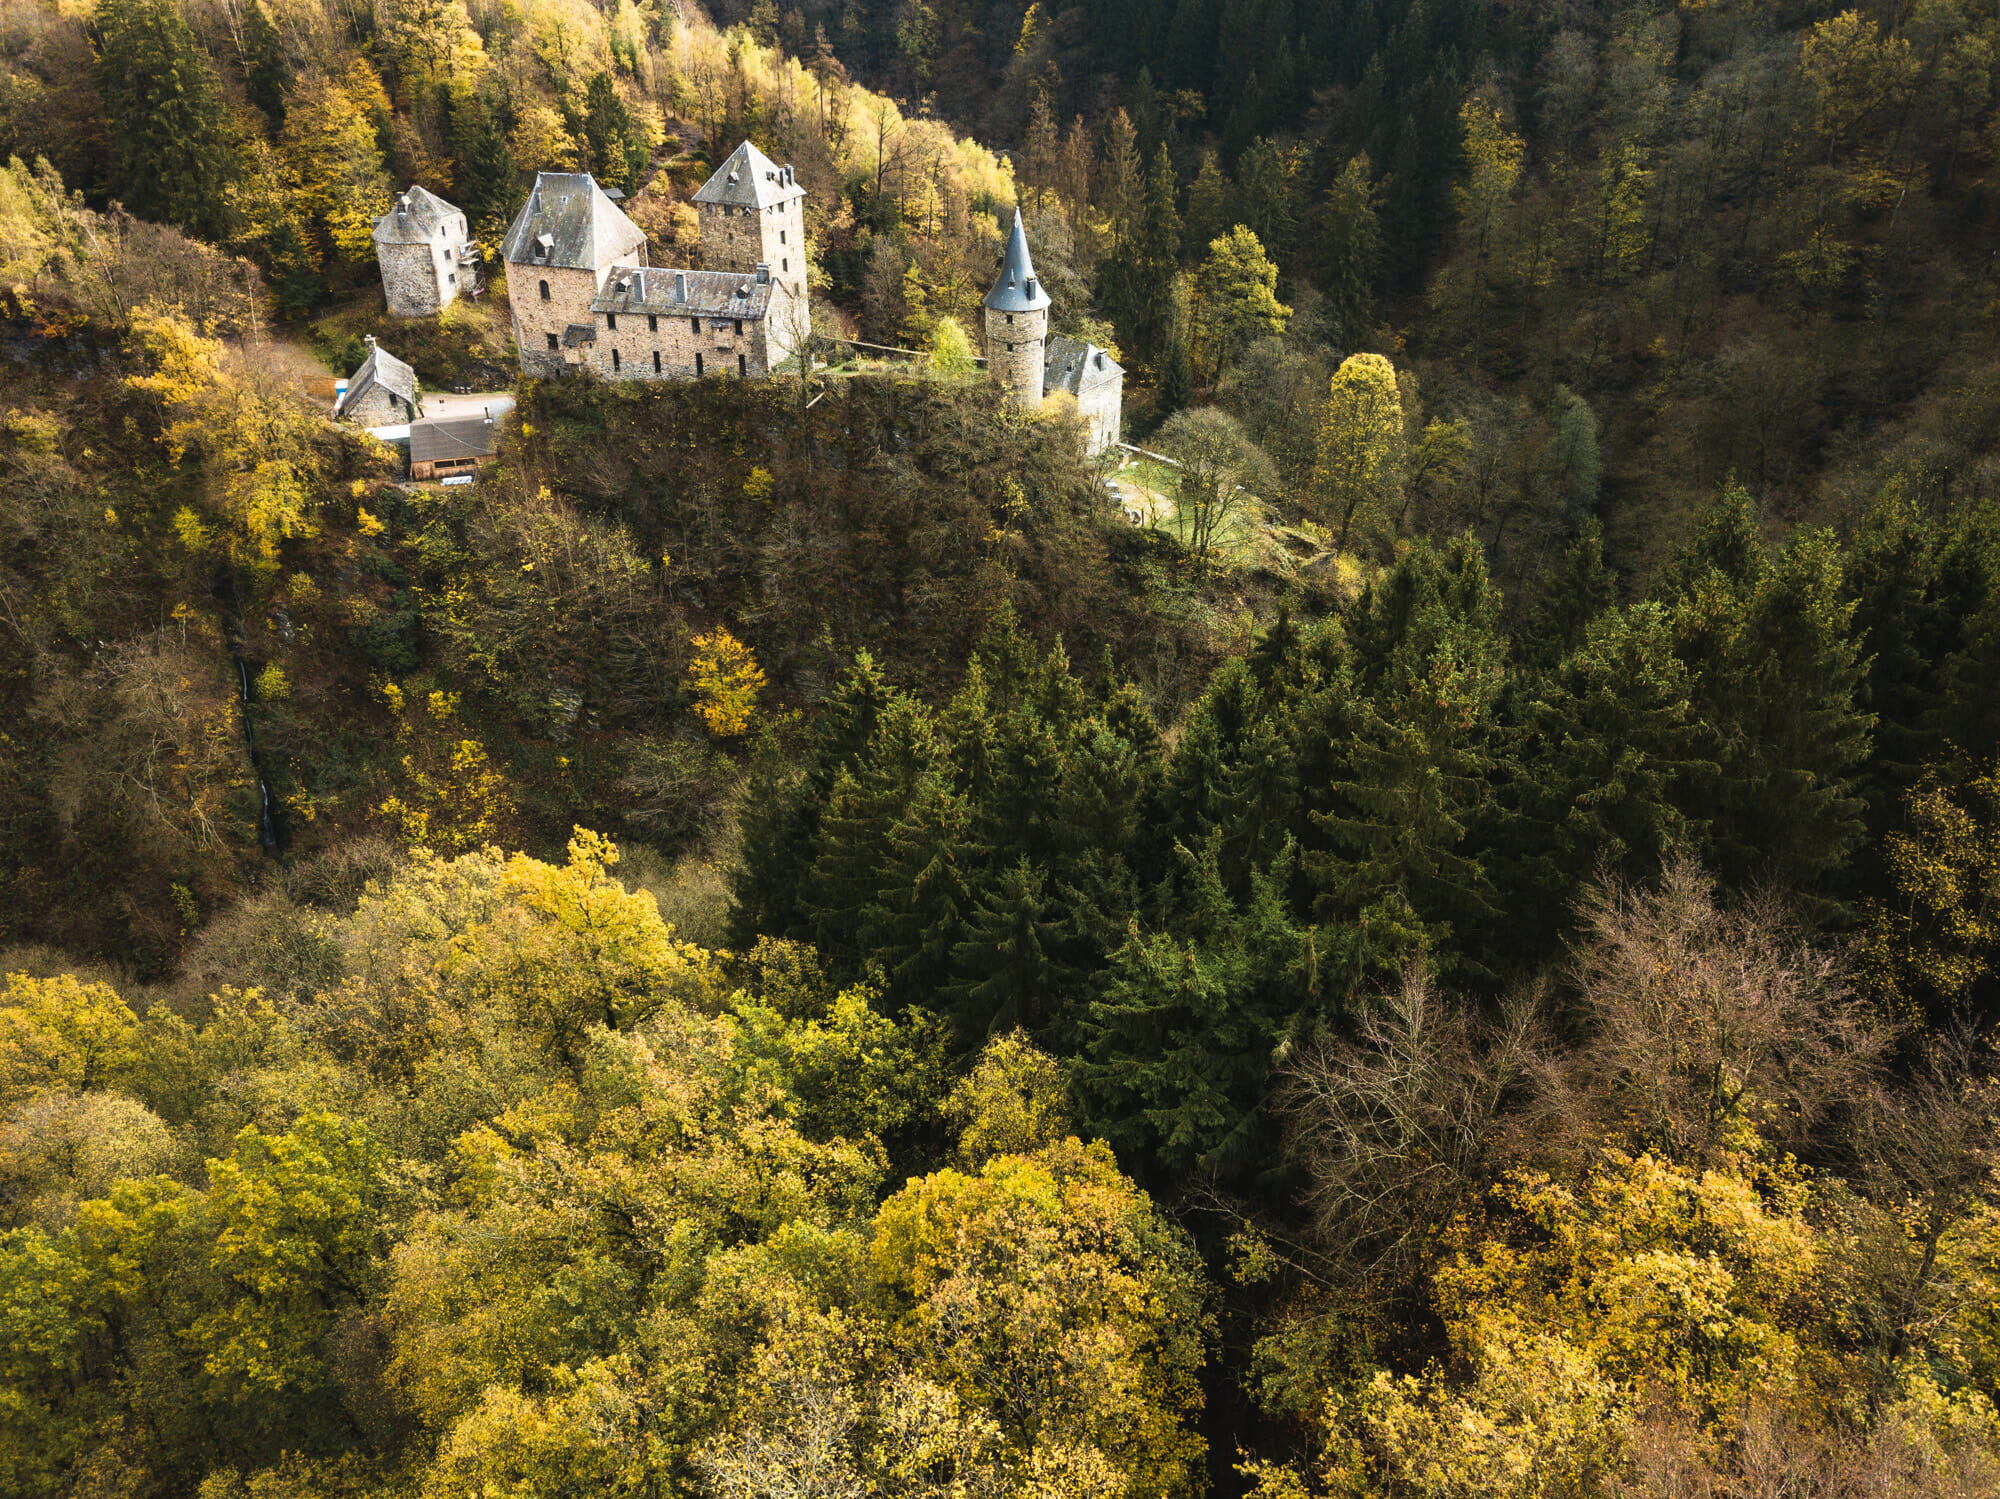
[(763, 273), (680, 286), (639, 285), (369, 339), (402, 205)]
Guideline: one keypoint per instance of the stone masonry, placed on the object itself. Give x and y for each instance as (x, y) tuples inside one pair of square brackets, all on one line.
[(559, 251), (673, 324), (1017, 323), (585, 299), (425, 257)]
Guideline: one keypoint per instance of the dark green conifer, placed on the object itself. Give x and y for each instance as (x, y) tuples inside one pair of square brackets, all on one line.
[(783, 807), (172, 158), (1008, 974)]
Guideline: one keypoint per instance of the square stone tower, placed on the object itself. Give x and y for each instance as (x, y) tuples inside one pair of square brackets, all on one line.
[(559, 250), (425, 257), (752, 214)]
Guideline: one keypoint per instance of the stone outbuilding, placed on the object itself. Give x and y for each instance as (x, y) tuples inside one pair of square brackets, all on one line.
[(425, 256), (452, 445), (1095, 379), (559, 252), (1017, 322), (383, 392)]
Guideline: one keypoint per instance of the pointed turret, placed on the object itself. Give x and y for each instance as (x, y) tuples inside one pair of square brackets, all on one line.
[(1017, 290), (1017, 322)]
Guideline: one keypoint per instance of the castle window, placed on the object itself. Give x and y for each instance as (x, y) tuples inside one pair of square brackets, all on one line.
[(1010, 319), (614, 361), (555, 344), (611, 320), (656, 361), (452, 279), (697, 364), (653, 324), (695, 323), (545, 291), (786, 266), (739, 325), (781, 236), (742, 365)]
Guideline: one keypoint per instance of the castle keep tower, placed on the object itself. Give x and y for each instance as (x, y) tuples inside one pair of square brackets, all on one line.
[(752, 214), (1017, 323)]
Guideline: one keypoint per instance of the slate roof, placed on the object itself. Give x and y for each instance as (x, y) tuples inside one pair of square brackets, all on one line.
[(422, 214), (581, 229), (452, 437), (643, 289), (1017, 290), (750, 179), (1075, 366), (380, 368)]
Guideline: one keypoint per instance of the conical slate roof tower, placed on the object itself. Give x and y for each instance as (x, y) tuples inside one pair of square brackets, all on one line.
[(1017, 322)]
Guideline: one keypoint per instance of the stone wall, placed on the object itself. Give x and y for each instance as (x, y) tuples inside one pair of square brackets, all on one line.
[(734, 239), (376, 407), (1015, 345), (535, 321), (677, 340), (1100, 406), (411, 279)]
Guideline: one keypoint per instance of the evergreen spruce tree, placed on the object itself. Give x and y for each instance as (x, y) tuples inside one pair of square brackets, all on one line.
[(1607, 751), (918, 914), (1156, 255), (1179, 1044), (1348, 254), (853, 843), (608, 131), (1569, 600), (783, 808), (485, 184), (1776, 673), (172, 157), (264, 58), (1404, 827), (1008, 974)]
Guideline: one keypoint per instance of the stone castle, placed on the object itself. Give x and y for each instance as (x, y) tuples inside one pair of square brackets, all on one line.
[(1022, 356), (584, 298)]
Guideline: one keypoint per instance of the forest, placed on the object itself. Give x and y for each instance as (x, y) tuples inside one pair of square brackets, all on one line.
[(780, 946)]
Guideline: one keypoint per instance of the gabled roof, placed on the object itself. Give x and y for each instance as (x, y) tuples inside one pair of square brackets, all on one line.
[(574, 225), (452, 437), (415, 220), (1075, 366), (383, 369), (664, 290), (1017, 290), (750, 179)]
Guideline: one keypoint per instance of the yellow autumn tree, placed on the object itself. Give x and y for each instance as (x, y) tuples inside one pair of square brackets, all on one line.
[(726, 680), (452, 797), (255, 441), (332, 160), (1927, 948), (1359, 472)]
